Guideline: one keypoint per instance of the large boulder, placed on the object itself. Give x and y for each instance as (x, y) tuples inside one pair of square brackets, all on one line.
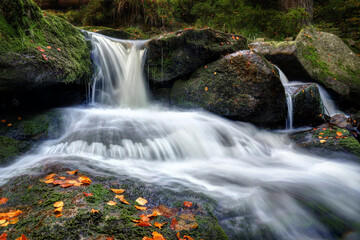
[(175, 55), (318, 56), (241, 86), (308, 109), (40, 54)]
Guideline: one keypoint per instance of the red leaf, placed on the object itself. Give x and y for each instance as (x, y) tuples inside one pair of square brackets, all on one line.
[(87, 194), (188, 204), (174, 222)]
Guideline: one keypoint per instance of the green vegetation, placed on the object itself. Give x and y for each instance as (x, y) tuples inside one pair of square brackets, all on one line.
[(47, 41), (9, 147)]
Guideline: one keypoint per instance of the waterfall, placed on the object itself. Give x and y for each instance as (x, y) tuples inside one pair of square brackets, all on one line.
[(285, 82), (249, 172), (119, 77)]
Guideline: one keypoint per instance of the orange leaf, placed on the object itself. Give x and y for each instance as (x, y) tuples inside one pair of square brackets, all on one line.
[(322, 141), (174, 222), (3, 120), (13, 220), (140, 208), (117, 191), (22, 237), (50, 176), (111, 203), (154, 214), (144, 218), (141, 201), (158, 236), (66, 185), (339, 133), (51, 180), (72, 172), (178, 236), (58, 215), (143, 224), (62, 178), (48, 47), (44, 56), (94, 211), (12, 214), (188, 237), (5, 224), (85, 180), (134, 220), (206, 88), (59, 49), (58, 204), (58, 210), (147, 238), (40, 49), (2, 221), (3, 200), (88, 194), (3, 236), (159, 225), (57, 182), (122, 199), (188, 204)]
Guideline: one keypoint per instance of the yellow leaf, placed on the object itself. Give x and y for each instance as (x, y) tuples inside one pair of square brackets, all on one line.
[(111, 203), (94, 211), (72, 172), (4, 224), (58, 204), (2, 221), (117, 191), (13, 221), (206, 88), (140, 208), (58, 210), (50, 176), (322, 141), (122, 199), (141, 201)]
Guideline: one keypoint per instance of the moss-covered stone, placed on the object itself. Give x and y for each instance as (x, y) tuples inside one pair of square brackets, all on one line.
[(308, 109), (38, 50), (178, 54), (9, 148), (242, 86), (330, 62), (38, 221), (328, 138)]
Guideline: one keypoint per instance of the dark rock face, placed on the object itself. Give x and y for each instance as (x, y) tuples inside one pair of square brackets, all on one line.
[(179, 54), (241, 86), (307, 105), (60, 4), (39, 53)]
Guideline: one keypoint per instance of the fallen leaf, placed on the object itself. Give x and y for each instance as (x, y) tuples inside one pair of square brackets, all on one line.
[(14, 221), (58, 210), (2, 221), (117, 191), (339, 133), (4, 224), (48, 47), (50, 176), (88, 194), (111, 203), (134, 220), (188, 237), (165, 211), (141, 201), (144, 218), (57, 182), (122, 199), (72, 172), (188, 216), (143, 224), (173, 224), (206, 88), (140, 208), (182, 225), (147, 238), (22, 237), (44, 56), (188, 204), (94, 211), (154, 214), (66, 185), (3, 200), (59, 49), (12, 214), (84, 180), (159, 225), (40, 49), (58, 215), (322, 141), (50, 181), (62, 178), (58, 204), (158, 236), (3, 236)]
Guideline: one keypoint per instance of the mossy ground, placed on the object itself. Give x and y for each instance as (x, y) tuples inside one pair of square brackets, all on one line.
[(329, 138), (38, 221), (24, 29)]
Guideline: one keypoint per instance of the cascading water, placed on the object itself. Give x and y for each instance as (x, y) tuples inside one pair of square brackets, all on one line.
[(285, 82), (248, 171)]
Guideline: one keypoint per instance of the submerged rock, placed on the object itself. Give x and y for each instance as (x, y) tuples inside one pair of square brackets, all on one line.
[(40, 54), (178, 54), (241, 86), (317, 56), (308, 109)]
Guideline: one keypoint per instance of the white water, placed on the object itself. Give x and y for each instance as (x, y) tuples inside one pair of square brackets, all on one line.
[(235, 163), (285, 82)]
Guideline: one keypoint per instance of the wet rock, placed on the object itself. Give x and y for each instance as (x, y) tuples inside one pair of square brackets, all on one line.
[(41, 55), (241, 86), (175, 55), (115, 33), (328, 138), (308, 109), (341, 121)]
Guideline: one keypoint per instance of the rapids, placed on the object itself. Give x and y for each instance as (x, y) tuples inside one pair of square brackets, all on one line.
[(121, 134)]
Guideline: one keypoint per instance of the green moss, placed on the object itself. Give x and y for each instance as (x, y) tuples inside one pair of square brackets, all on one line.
[(9, 147), (351, 145), (21, 38)]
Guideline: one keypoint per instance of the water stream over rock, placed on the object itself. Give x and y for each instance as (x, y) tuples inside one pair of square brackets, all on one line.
[(248, 171)]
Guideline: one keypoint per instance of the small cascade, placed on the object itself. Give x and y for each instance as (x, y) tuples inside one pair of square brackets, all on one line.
[(285, 82), (119, 77), (329, 104)]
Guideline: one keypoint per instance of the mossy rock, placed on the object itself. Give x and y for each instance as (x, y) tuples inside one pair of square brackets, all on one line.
[(308, 109), (35, 199), (175, 55), (328, 138), (9, 148), (241, 86), (39, 51), (329, 61)]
